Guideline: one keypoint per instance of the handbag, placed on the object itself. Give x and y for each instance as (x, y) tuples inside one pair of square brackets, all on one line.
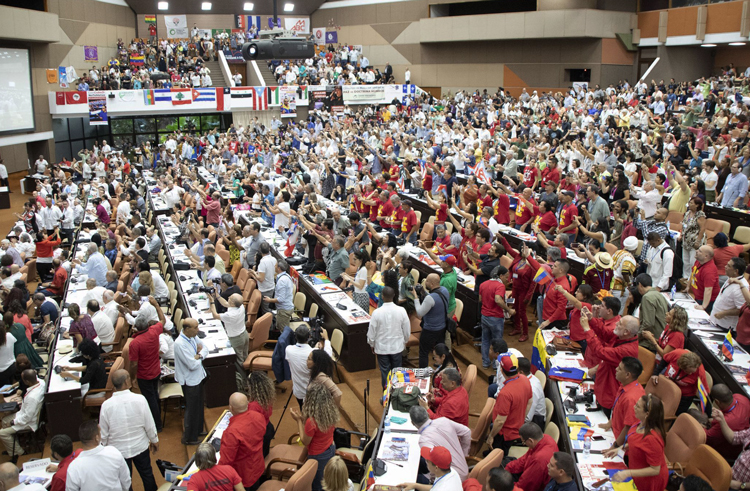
[(404, 398), (565, 344)]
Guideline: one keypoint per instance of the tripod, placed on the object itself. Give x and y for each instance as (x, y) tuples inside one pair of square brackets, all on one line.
[(291, 392)]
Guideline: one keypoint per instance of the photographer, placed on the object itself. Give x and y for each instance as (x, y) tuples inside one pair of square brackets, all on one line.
[(432, 308), (227, 288)]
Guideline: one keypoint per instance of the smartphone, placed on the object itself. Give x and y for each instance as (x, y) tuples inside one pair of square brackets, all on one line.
[(510, 301), (574, 245)]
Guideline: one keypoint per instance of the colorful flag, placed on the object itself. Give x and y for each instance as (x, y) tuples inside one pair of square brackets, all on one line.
[(260, 99), (76, 97), (150, 18), (274, 97), (332, 37), (727, 348), (162, 95), (148, 97), (254, 21), (137, 60), (220, 94), (181, 97), (542, 277), (240, 22), (538, 352), (702, 395), (204, 95), (292, 236), (241, 92)]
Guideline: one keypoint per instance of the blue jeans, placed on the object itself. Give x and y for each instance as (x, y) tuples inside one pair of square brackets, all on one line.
[(492, 328), (322, 459)]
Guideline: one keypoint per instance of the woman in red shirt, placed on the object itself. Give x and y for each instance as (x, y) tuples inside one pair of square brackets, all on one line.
[(684, 368), (584, 298), (546, 221), (673, 336), (644, 447), (440, 206), (261, 393), (211, 476), (316, 423)]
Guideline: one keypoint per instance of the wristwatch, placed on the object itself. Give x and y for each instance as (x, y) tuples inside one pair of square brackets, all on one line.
[(742, 486)]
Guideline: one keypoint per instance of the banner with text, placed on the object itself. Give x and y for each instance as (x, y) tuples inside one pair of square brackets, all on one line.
[(300, 25), (320, 35), (97, 108), (176, 26)]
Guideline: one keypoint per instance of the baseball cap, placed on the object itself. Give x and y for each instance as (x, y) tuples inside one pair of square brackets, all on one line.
[(507, 364), (630, 244), (448, 258), (440, 456)]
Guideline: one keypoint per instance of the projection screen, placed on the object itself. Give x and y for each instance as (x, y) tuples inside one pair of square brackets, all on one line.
[(16, 101)]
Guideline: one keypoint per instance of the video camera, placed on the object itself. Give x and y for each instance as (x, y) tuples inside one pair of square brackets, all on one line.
[(316, 330)]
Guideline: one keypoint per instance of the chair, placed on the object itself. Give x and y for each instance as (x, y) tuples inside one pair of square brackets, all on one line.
[(714, 226), (675, 220), (668, 392), (542, 377), (224, 255), (252, 308), (553, 431), (236, 268), (427, 231), (31, 271), (33, 441), (419, 216), (337, 344), (300, 299), (550, 409), (312, 313), (416, 331), (482, 468), (709, 382), (170, 391), (459, 310), (648, 360), (708, 464), (479, 431), (259, 333), (89, 401), (469, 377), (177, 320), (282, 459), (299, 481), (120, 335), (682, 439), (414, 274), (242, 278), (741, 235)]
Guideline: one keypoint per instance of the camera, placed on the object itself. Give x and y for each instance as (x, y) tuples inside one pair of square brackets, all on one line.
[(206, 289), (316, 331), (586, 398), (58, 369), (420, 290)]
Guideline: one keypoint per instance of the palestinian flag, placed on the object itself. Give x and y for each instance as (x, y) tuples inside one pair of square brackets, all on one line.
[(274, 96)]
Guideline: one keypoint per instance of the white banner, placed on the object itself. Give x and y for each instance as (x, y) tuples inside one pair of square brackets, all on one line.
[(320, 35), (176, 26), (300, 25), (288, 101), (364, 94)]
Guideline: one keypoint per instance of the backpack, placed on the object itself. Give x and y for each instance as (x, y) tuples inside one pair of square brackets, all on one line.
[(401, 400)]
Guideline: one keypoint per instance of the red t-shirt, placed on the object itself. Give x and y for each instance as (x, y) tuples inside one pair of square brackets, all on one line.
[(213, 211), (487, 291), (623, 413), (427, 181), (737, 416), (397, 216), (441, 214), (152, 30), (675, 339), (705, 276), (511, 402), (385, 210), (217, 478), (576, 331), (688, 383), (502, 209), (484, 201), (373, 208), (547, 222), (320, 440), (444, 242), (408, 221), (524, 213), (530, 175), (550, 175), (144, 350), (567, 213), (647, 451), (722, 255)]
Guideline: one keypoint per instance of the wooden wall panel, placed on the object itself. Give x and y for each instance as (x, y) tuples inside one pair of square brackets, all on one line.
[(682, 21), (724, 17), (648, 23)]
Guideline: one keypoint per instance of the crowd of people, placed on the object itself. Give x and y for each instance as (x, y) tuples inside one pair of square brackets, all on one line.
[(620, 177)]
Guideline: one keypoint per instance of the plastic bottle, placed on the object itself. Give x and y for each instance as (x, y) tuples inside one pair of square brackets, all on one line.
[(673, 291), (587, 446), (387, 425)]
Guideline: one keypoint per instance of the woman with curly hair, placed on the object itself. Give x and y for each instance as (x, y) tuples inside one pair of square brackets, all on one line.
[(316, 423), (673, 336), (321, 372), (261, 392)]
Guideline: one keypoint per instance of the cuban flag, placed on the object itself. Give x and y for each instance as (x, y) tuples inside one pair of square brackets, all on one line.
[(292, 236), (162, 95), (727, 348), (254, 21), (204, 95)]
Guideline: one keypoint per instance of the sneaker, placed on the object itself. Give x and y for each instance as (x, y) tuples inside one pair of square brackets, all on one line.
[(523, 338), (486, 367)]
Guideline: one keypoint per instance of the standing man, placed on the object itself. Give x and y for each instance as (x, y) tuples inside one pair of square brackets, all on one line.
[(653, 312), (432, 308), (705, 279), (284, 298), (234, 324), (511, 407), (97, 467), (189, 373), (297, 355), (242, 441), (388, 333), (730, 300), (144, 351), (735, 188), (623, 414), (265, 275), (660, 260), (126, 424), (492, 298)]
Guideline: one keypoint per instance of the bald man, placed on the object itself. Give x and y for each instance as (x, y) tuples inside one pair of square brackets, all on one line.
[(234, 323), (9, 479), (432, 308), (705, 279), (189, 354), (242, 441), (126, 424), (610, 347)]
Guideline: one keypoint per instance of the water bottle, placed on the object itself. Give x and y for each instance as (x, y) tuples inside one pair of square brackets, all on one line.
[(673, 291), (387, 425), (587, 447)]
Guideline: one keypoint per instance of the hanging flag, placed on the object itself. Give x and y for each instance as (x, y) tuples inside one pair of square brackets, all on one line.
[(538, 352), (181, 97), (62, 75), (76, 97), (60, 98), (150, 18), (162, 95), (52, 76), (332, 37), (241, 92), (303, 92), (137, 60), (204, 95), (220, 94), (260, 99), (702, 395), (148, 97), (254, 21), (275, 96), (292, 236), (542, 277), (727, 348), (240, 22)]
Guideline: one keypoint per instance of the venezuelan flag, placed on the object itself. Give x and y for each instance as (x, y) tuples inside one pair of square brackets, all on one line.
[(727, 348), (702, 395), (542, 277), (538, 352), (137, 59)]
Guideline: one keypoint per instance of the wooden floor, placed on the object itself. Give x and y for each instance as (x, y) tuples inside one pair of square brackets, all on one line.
[(352, 386)]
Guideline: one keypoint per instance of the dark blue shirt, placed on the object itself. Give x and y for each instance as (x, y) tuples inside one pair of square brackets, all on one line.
[(49, 309), (568, 486)]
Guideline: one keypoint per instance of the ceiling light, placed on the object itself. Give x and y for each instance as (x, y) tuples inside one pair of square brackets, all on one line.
[(737, 44), (708, 45), (163, 5), (249, 6), (206, 6), (288, 7)]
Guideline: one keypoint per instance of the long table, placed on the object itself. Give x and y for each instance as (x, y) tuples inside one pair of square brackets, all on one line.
[(217, 431)]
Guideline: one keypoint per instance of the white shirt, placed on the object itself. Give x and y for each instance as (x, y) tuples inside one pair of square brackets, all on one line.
[(104, 328), (110, 309), (127, 424), (147, 310), (95, 293), (28, 416), (68, 218), (537, 399), (267, 265), (282, 220), (648, 201), (97, 469), (730, 297), (123, 212), (389, 329), (3, 171), (449, 482), (660, 269), (172, 196), (234, 321), (50, 217), (166, 346), (296, 356)]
